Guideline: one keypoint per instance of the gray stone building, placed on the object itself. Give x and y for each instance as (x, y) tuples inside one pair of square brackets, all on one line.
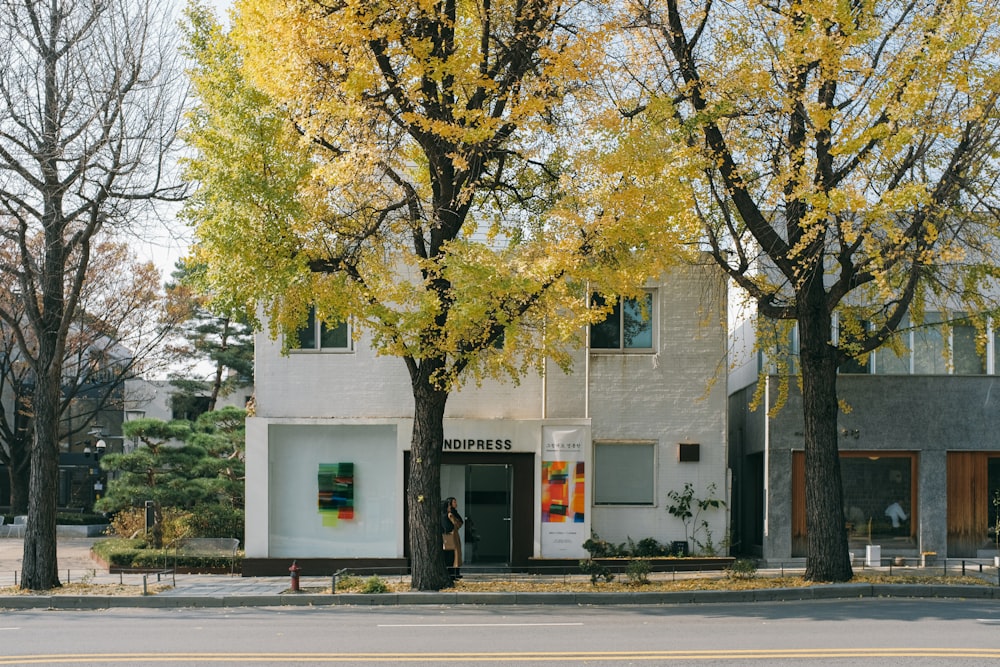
[(919, 443)]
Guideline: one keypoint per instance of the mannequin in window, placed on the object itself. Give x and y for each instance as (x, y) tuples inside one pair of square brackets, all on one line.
[(895, 514)]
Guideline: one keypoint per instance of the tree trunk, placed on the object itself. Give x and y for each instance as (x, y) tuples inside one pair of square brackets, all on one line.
[(424, 495), (157, 528), (826, 551), (219, 366), (39, 563)]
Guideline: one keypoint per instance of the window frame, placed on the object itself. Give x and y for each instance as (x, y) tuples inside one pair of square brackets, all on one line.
[(651, 294), (961, 355), (798, 509), (317, 336), (651, 466)]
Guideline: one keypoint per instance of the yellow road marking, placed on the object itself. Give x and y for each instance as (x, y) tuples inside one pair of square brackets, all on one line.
[(519, 656)]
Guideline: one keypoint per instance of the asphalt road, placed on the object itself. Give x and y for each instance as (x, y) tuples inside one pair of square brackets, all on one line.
[(835, 632)]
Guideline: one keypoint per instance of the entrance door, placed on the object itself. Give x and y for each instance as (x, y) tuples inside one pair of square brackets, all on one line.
[(487, 513), (497, 491)]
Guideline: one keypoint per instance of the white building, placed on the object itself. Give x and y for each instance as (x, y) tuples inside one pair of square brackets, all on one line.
[(536, 466)]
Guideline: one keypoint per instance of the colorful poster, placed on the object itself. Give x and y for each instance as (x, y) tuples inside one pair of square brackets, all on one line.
[(564, 499), (336, 492), (562, 492)]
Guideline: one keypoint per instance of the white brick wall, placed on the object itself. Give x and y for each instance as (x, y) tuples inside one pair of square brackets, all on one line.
[(676, 395)]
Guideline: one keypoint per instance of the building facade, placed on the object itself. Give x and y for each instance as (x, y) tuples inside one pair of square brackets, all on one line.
[(537, 466), (919, 450)]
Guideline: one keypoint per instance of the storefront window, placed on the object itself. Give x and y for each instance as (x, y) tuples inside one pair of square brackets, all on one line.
[(878, 495), (993, 484)]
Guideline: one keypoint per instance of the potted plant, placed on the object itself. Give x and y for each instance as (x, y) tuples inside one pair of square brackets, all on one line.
[(688, 508)]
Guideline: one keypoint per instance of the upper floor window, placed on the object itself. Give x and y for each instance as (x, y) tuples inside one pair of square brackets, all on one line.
[(318, 335), (968, 351), (844, 337), (928, 346), (933, 347), (893, 358), (629, 325), (786, 358)]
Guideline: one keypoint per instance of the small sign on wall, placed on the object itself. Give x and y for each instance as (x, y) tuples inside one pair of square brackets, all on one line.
[(688, 452)]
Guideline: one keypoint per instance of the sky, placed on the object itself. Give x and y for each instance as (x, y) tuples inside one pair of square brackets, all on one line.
[(166, 240), (163, 242)]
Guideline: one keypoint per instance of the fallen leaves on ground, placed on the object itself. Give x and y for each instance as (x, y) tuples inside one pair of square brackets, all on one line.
[(578, 585), (83, 588), (529, 585)]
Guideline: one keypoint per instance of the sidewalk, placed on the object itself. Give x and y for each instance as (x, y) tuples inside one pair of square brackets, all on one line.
[(202, 590), (76, 565)]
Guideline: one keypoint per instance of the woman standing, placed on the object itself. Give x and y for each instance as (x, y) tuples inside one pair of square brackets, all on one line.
[(451, 522)]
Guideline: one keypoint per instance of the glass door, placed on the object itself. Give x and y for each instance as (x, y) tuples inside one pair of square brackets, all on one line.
[(487, 513)]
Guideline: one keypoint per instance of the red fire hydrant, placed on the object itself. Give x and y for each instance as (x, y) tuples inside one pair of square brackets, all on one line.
[(294, 571)]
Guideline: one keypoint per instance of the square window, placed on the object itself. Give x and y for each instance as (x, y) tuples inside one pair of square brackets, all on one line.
[(878, 494), (624, 473), (318, 335), (629, 325)]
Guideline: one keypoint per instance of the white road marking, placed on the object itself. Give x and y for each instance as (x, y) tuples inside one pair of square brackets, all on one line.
[(472, 625)]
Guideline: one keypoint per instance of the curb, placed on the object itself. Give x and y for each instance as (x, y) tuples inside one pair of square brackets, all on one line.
[(826, 592)]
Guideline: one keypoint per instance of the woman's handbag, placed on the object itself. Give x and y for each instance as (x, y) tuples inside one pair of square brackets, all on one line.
[(450, 540)]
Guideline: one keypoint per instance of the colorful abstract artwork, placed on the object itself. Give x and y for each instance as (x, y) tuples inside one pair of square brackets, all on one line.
[(336, 492), (562, 491)]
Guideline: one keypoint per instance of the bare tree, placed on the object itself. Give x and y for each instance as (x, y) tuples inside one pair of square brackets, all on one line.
[(121, 322), (90, 101)]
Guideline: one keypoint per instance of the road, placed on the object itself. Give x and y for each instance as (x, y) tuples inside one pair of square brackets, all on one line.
[(868, 631)]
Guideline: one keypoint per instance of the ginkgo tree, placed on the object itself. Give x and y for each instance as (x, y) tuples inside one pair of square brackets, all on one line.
[(406, 164), (841, 158)]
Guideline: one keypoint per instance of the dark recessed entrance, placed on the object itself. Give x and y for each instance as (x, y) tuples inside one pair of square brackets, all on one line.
[(496, 496), (484, 494)]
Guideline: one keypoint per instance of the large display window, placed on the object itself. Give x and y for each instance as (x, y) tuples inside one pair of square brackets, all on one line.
[(880, 499), (333, 491)]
